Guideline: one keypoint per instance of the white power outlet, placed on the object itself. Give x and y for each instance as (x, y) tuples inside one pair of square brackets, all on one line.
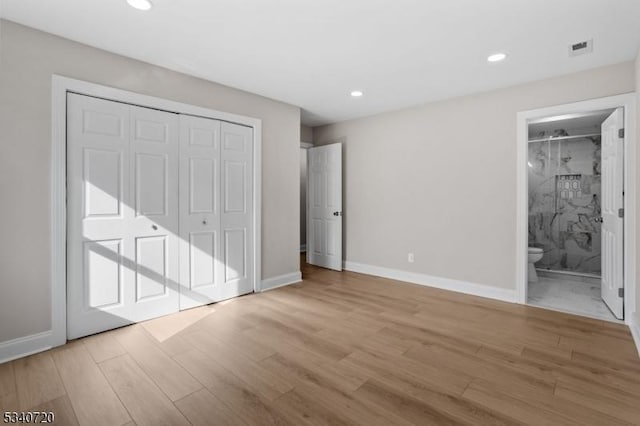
[(410, 258)]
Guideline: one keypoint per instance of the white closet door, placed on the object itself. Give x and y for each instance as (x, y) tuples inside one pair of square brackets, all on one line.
[(216, 211), (200, 252), (122, 251), (236, 225)]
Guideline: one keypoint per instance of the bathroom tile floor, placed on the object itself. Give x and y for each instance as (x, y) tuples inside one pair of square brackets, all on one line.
[(573, 296)]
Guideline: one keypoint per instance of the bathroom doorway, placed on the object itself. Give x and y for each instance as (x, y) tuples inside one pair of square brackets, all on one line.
[(574, 209)]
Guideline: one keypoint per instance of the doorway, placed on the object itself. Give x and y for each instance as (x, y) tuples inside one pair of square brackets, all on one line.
[(575, 229), (304, 147)]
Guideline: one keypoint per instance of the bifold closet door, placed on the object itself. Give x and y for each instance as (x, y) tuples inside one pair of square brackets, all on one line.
[(122, 214), (216, 210), (236, 216)]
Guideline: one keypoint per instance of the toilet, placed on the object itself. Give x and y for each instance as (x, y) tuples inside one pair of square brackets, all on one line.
[(534, 255)]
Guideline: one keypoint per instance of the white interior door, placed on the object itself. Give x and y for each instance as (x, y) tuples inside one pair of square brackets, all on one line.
[(324, 223), (122, 214), (612, 222)]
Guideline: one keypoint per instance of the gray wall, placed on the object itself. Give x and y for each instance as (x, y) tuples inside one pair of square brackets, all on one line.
[(27, 60), (439, 180), (306, 134)]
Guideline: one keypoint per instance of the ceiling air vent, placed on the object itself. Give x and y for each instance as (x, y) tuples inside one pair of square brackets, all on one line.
[(581, 47)]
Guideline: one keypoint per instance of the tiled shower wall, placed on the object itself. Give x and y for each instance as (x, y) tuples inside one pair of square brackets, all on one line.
[(564, 203)]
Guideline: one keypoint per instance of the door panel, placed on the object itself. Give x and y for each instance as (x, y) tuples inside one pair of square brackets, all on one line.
[(200, 276), (151, 267), (234, 254), (154, 186), (122, 259), (203, 257), (103, 273), (106, 123), (236, 216), (203, 184), (151, 185), (324, 239), (102, 171), (612, 200), (149, 130), (235, 187)]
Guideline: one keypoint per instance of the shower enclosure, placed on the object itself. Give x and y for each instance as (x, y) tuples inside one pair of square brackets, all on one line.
[(564, 201)]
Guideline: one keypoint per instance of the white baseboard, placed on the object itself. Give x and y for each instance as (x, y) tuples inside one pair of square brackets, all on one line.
[(23, 346), (634, 326), (437, 282), (280, 281), (303, 248)]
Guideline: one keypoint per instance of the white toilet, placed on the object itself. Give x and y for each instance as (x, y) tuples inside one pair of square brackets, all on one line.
[(534, 255)]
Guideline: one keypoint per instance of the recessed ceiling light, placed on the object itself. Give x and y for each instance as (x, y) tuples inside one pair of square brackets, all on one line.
[(497, 57), (140, 4), (357, 93)]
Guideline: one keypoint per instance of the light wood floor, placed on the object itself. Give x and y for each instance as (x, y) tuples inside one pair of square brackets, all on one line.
[(340, 348)]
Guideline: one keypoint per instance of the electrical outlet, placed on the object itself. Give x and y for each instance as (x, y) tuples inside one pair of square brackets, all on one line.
[(410, 258)]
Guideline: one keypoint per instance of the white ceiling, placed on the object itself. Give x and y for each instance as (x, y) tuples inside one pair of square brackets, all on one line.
[(312, 53)]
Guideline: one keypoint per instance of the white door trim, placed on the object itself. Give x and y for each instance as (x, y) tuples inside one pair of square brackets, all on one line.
[(60, 86), (628, 101)]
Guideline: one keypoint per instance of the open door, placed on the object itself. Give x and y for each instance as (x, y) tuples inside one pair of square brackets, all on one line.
[(612, 212), (324, 213)]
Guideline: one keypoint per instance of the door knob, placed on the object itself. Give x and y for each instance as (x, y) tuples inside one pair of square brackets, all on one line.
[(337, 213), (204, 222), (599, 219)]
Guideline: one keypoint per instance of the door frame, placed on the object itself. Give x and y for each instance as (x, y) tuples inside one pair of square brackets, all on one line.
[(60, 86), (306, 146), (628, 102)]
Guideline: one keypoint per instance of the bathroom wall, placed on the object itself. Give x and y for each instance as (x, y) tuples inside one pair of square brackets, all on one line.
[(564, 203)]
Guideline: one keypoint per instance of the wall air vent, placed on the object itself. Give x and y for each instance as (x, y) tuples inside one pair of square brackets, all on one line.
[(581, 48)]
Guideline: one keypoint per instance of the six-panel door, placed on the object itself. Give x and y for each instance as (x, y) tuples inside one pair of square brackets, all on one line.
[(612, 222), (324, 227)]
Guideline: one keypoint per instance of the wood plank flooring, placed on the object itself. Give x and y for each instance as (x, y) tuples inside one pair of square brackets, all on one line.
[(340, 349)]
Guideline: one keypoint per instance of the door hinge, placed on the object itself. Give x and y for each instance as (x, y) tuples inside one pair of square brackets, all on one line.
[(621, 292), (620, 212), (621, 133)]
